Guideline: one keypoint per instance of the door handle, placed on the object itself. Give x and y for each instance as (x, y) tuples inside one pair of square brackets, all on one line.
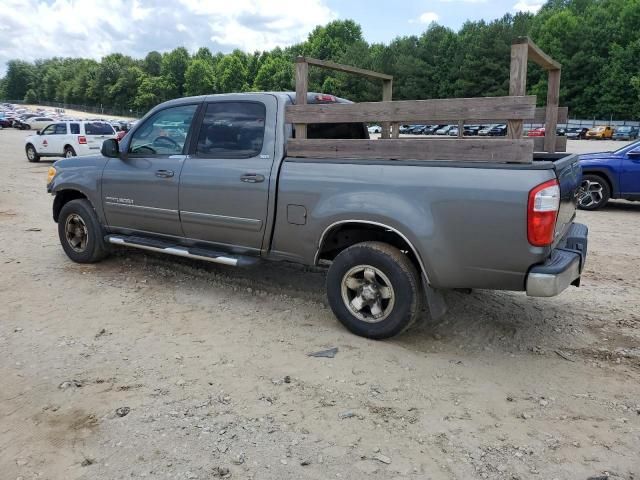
[(252, 178), (164, 173)]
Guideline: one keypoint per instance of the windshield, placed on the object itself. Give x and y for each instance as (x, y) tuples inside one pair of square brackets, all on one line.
[(623, 129), (599, 129), (633, 146)]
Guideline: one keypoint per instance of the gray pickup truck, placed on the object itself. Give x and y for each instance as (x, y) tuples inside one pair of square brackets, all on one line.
[(209, 178)]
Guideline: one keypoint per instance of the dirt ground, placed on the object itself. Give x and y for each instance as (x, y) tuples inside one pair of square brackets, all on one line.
[(149, 366)]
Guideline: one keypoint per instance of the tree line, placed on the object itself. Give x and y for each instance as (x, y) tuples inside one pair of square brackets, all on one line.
[(597, 42)]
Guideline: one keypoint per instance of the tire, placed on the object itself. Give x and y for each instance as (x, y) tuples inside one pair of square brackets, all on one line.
[(26, 127), (596, 192), (85, 244), (32, 154), (391, 281), (69, 151)]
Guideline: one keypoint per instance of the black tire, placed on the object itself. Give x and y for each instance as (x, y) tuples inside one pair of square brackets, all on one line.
[(596, 192), (69, 151), (26, 127), (402, 305), (32, 154), (93, 249)]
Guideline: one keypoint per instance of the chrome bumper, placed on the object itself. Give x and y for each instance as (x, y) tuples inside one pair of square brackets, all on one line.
[(562, 268)]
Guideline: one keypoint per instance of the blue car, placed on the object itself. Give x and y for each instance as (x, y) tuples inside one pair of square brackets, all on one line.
[(610, 175)]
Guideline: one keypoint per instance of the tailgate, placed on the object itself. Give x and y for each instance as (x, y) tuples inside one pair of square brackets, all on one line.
[(569, 173), (94, 142)]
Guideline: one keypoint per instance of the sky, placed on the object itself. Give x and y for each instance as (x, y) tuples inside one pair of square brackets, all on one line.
[(32, 29)]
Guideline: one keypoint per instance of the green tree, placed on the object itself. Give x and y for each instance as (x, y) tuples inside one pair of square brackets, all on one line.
[(152, 63), (231, 74), (19, 76), (174, 67), (199, 78), (31, 97), (275, 74)]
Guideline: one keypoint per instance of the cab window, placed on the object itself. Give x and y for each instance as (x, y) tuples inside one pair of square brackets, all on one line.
[(49, 130), (164, 133), (60, 129), (75, 128), (232, 130)]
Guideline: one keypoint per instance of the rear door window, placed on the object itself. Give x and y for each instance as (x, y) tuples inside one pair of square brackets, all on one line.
[(98, 128), (232, 130), (75, 128)]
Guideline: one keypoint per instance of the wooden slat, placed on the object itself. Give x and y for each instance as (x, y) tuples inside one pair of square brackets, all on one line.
[(302, 86), (460, 128), (560, 146), (387, 92), (541, 115), (451, 109), (517, 84), (343, 68), (537, 55), (471, 150), (553, 96)]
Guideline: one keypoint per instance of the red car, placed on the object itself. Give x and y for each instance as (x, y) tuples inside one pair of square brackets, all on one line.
[(536, 132)]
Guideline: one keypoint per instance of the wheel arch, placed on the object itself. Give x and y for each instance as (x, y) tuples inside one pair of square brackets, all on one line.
[(605, 176), (65, 196), (345, 233)]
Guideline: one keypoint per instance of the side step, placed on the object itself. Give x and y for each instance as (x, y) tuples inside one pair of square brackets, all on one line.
[(156, 245)]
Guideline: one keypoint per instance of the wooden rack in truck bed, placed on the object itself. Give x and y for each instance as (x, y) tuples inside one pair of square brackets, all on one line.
[(514, 110)]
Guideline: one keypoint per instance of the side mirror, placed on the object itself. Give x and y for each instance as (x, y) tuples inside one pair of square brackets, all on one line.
[(39, 132), (110, 148), (634, 154)]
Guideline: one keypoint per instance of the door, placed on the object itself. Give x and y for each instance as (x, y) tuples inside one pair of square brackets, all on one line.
[(44, 140), (224, 186), (630, 172), (140, 190), (58, 139)]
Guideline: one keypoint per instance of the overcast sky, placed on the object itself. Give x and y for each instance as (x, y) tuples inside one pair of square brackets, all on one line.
[(31, 29)]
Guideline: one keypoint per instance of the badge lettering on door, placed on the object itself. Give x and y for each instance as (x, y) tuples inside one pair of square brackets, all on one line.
[(264, 156), (126, 201)]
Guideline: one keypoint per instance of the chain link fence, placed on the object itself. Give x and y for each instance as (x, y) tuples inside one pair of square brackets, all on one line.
[(101, 110)]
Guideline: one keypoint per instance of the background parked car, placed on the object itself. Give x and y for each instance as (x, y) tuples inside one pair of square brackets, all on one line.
[(417, 129), (406, 128), (576, 133), (536, 132), (484, 132), (445, 130), (497, 131), (626, 132), (68, 139), (599, 133), (35, 123), (375, 129), (610, 175)]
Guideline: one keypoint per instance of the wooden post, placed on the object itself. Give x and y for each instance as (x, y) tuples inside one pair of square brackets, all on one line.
[(551, 120), (460, 128), (302, 87), (517, 82), (387, 93)]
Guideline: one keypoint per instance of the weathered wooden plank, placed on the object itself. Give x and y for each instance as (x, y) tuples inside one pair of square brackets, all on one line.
[(450, 109), (343, 68), (471, 150), (517, 84), (387, 93), (551, 121), (460, 128), (302, 87), (541, 115), (560, 145), (537, 55)]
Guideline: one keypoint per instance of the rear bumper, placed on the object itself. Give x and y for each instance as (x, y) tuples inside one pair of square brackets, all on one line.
[(563, 267)]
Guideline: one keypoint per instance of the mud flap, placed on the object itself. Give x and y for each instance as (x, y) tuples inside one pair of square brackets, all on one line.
[(435, 300)]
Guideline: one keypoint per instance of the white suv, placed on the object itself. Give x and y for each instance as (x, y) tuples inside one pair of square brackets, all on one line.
[(68, 139)]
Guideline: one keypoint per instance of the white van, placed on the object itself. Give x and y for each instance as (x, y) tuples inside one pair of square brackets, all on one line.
[(68, 139)]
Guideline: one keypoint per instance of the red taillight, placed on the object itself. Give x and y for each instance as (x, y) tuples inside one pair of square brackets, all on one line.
[(325, 98), (542, 213), (82, 140)]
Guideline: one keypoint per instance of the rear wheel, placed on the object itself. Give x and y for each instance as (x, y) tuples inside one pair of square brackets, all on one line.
[(69, 151), (32, 155), (80, 232), (374, 290), (595, 192)]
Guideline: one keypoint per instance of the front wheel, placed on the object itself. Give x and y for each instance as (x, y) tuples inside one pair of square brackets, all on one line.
[(595, 192), (32, 155), (80, 232), (374, 290)]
